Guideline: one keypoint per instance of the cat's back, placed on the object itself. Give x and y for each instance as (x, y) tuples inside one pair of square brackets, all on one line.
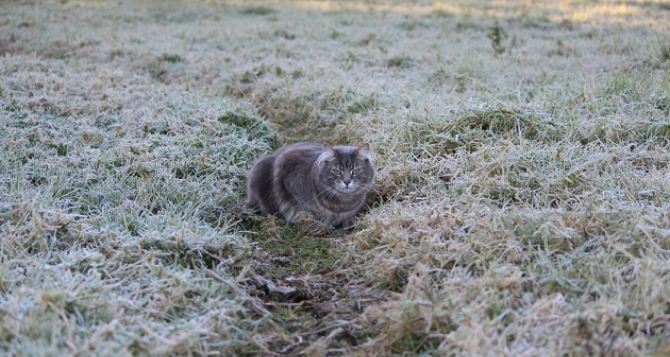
[(265, 182), (300, 150), (299, 154)]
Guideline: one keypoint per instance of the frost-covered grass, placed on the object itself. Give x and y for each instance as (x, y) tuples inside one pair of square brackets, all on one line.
[(522, 205)]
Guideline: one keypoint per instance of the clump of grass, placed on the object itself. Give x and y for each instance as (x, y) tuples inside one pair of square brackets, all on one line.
[(319, 116), (636, 86), (115, 53), (171, 58), (258, 10), (415, 323), (562, 49), (470, 66), (368, 39), (399, 62), (254, 125), (440, 11), (499, 40), (439, 77), (459, 77), (540, 22), (240, 85), (366, 104), (61, 149), (284, 34), (473, 128), (466, 23), (411, 25), (624, 83), (664, 53), (297, 252)]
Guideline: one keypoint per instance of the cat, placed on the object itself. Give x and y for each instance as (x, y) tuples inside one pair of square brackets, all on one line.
[(327, 183)]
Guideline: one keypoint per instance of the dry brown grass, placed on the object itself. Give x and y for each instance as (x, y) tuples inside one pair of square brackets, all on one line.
[(522, 200)]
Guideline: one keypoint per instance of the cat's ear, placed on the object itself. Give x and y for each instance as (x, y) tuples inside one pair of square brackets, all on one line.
[(363, 152), (328, 154), (329, 150)]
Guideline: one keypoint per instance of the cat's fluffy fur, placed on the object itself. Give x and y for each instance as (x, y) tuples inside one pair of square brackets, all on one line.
[(329, 183)]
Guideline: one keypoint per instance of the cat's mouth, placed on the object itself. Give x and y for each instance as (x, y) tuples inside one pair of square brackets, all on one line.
[(351, 188)]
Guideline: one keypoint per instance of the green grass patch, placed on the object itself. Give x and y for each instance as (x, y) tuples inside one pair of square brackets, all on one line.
[(258, 10), (295, 252)]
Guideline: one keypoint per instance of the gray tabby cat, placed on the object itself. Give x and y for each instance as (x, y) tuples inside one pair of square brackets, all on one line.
[(329, 183)]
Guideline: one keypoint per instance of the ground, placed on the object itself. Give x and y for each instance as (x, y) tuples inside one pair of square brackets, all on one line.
[(522, 204)]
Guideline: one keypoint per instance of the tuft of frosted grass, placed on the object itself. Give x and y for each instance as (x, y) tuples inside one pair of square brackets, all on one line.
[(521, 205), (115, 208)]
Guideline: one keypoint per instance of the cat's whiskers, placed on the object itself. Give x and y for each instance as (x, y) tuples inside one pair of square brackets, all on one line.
[(327, 191)]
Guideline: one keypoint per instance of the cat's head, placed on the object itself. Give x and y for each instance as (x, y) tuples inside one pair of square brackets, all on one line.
[(346, 169)]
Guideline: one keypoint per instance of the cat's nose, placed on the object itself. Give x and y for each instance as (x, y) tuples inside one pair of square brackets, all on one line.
[(346, 182)]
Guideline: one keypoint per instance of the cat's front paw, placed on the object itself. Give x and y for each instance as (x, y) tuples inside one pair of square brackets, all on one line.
[(310, 225), (347, 225)]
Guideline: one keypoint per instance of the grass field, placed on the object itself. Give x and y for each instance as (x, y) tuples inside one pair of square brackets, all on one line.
[(522, 204)]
